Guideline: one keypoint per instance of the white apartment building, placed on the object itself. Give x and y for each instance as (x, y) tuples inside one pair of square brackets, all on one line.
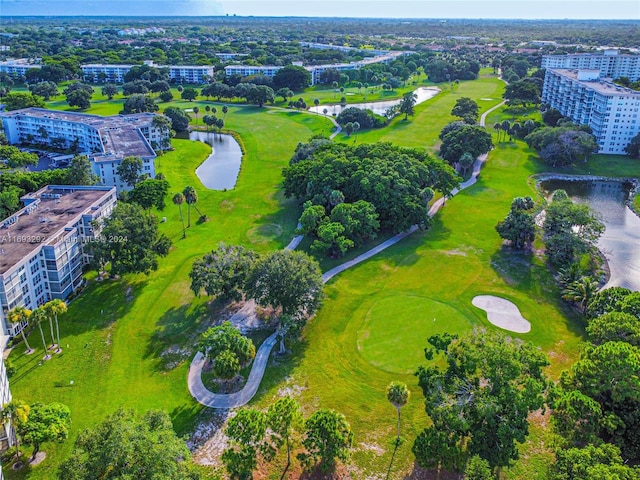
[(197, 74), (246, 70), (610, 110), (17, 67), (105, 140), (610, 63), (98, 72), (41, 246), (6, 434)]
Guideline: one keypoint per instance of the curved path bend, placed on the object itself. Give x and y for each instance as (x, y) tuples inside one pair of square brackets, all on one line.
[(238, 399)]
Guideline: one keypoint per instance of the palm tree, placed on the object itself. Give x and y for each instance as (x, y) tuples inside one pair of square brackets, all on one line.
[(581, 291), (334, 85), (14, 413), (21, 315), (225, 110), (398, 394), (188, 193), (498, 128), (506, 126), (56, 307), (356, 127), (207, 108), (39, 316), (316, 101), (196, 110), (178, 199), (191, 197)]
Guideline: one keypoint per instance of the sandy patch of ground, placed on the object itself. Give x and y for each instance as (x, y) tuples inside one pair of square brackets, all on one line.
[(502, 313)]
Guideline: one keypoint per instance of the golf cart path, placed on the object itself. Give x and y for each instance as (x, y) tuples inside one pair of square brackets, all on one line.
[(238, 399)]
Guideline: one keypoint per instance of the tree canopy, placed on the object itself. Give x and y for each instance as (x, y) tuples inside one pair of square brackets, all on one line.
[(292, 76), (471, 139), (223, 272), (126, 445), (479, 403), (130, 241), (327, 438), (390, 178)]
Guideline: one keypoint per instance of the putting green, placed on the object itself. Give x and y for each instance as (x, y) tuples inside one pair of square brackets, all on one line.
[(394, 332)]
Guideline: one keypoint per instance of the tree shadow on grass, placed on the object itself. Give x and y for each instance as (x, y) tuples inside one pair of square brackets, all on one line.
[(419, 473), (99, 305), (176, 334)]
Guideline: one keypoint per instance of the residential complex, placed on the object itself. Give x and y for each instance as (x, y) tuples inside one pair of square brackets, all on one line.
[(314, 70), (587, 98), (115, 73), (105, 140), (610, 63), (41, 246), (17, 67)]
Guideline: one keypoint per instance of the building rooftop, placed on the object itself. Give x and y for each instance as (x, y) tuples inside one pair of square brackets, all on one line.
[(602, 85), (43, 220), (120, 135)]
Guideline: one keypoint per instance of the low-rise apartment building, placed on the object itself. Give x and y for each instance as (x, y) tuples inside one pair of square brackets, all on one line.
[(100, 73), (41, 246), (105, 140), (610, 110), (17, 67)]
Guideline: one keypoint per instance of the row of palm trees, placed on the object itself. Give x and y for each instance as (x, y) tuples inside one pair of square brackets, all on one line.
[(48, 311), (513, 129), (189, 196)]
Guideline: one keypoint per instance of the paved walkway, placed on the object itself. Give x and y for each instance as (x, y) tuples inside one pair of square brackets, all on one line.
[(230, 400), (238, 399)]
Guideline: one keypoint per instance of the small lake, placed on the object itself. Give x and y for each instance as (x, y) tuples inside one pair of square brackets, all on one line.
[(379, 108), (620, 242), (220, 170)]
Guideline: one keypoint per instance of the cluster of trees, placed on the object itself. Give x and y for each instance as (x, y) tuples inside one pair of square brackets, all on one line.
[(397, 182), (364, 117), (571, 232), (78, 95), (127, 445), (524, 92), (288, 281), (563, 145), (37, 423), (17, 183), (48, 311), (227, 349), (129, 241), (442, 69), (13, 157), (479, 402), (467, 109), (325, 437), (516, 129), (596, 404), (348, 225), (463, 143), (519, 226)]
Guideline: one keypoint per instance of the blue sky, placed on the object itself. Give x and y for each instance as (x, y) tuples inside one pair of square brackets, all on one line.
[(526, 9)]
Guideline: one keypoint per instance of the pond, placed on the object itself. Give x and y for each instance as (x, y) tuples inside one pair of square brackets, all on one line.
[(379, 108), (220, 170), (620, 242)]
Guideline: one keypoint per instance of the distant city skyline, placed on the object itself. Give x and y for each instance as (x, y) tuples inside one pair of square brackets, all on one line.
[(498, 9)]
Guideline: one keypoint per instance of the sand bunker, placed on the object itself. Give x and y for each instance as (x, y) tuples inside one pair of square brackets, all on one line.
[(502, 313)]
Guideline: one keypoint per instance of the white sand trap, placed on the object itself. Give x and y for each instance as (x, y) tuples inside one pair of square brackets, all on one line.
[(502, 313)]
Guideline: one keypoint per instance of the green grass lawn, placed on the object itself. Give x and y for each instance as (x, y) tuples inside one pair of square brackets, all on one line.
[(376, 317), (115, 340)]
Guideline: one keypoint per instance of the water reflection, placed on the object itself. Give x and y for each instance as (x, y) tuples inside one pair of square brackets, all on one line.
[(620, 242), (379, 108), (220, 170)]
